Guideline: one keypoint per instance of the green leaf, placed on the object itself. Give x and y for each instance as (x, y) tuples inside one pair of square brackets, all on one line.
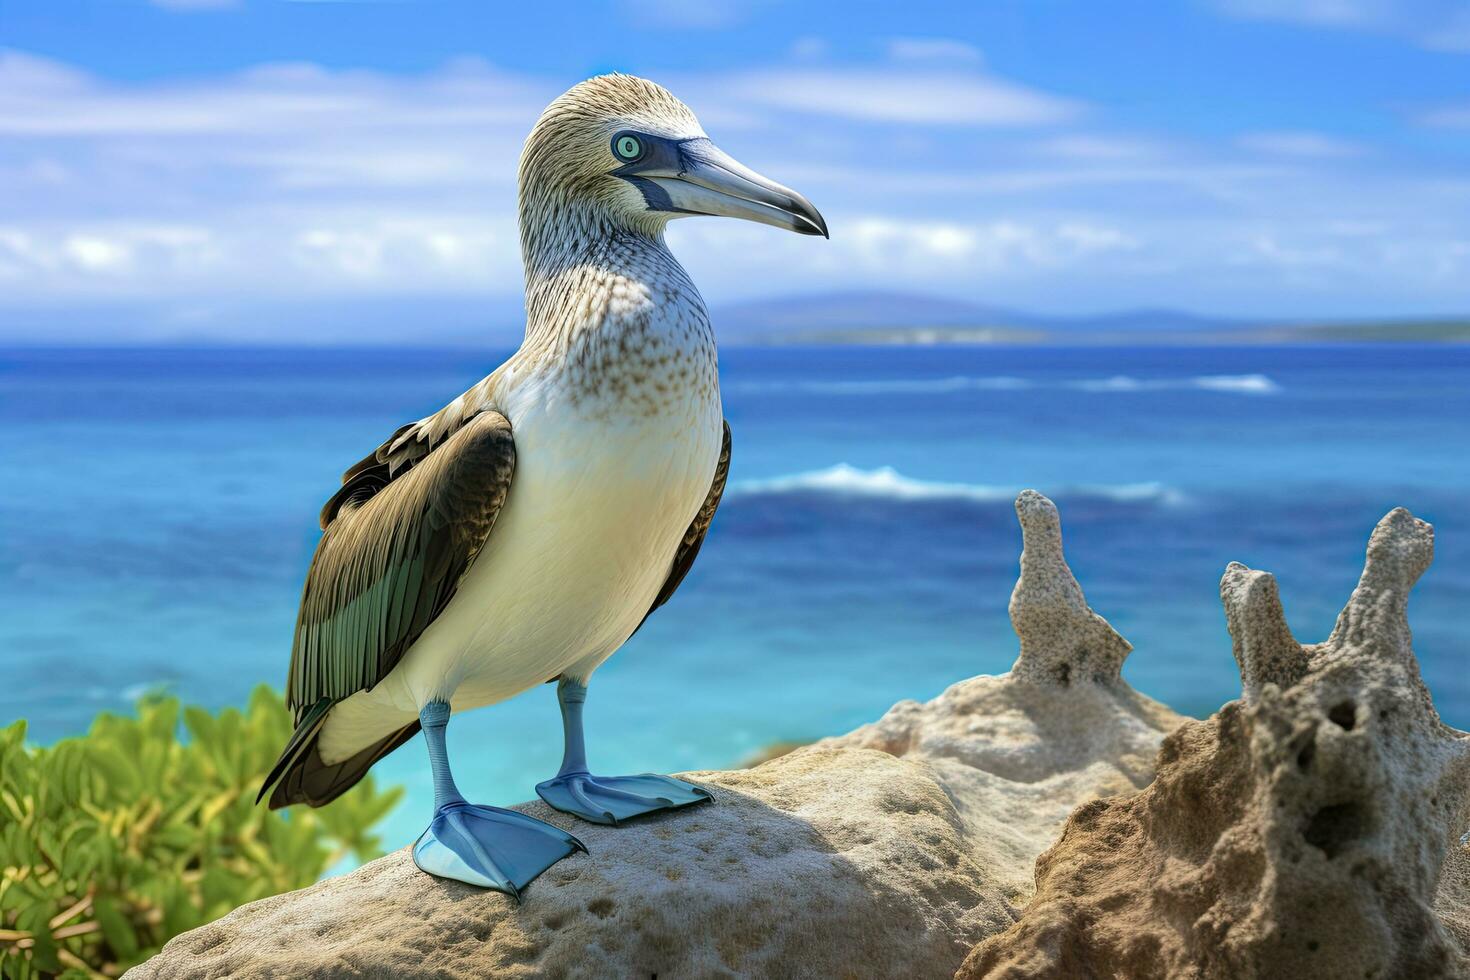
[(34, 921), (116, 928), (161, 829)]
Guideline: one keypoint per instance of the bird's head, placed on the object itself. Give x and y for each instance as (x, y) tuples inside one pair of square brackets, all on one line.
[(625, 150)]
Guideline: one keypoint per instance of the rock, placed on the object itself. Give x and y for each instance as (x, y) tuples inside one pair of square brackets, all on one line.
[(888, 852), (1309, 830), (841, 860), (1019, 751), (1062, 640)]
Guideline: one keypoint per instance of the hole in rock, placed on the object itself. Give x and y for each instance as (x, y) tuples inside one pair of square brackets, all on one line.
[(1344, 715), (1305, 756), (1333, 828), (1064, 674)]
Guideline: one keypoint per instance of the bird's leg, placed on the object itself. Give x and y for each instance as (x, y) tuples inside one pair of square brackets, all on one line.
[(434, 720), (481, 845), (571, 696), (605, 799)]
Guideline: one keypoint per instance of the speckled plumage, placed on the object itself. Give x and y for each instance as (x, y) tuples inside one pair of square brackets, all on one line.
[(614, 406)]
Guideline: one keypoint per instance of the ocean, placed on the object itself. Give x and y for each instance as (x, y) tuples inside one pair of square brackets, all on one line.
[(159, 511)]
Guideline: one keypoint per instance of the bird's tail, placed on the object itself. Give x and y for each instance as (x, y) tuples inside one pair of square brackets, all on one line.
[(300, 775)]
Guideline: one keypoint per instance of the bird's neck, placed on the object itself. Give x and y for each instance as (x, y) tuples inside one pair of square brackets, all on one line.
[(590, 281)]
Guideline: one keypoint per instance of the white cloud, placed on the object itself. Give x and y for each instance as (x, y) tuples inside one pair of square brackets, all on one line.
[(96, 254), (1300, 144), (273, 254), (405, 250), (1334, 13), (1453, 35), (930, 49), (1206, 180), (898, 246), (42, 98), (685, 15), (1082, 146), (882, 241), (809, 48), (898, 95), (93, 255), (1271, 249), (873, 249), (1442, 25), (1447, 116), (296, 183), (1091, 238)]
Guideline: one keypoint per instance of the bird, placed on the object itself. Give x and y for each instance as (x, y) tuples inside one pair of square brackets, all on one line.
[(522, 533)]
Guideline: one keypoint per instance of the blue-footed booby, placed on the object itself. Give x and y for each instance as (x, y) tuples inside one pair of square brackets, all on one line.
[(524, 532)]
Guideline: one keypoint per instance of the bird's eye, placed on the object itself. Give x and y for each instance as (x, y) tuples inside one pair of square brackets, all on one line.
[(627, 146)]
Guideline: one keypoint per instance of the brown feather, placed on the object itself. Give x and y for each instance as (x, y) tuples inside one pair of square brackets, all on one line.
[(397, 543)]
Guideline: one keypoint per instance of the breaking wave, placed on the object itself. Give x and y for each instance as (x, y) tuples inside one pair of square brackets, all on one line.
[(1241, 384), (887, 483), (882, 386)]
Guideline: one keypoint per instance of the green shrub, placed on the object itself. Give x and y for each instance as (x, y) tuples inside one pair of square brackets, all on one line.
[(113, 842)]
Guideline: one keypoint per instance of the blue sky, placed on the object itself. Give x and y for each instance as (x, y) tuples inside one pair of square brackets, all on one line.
[(171, 168)]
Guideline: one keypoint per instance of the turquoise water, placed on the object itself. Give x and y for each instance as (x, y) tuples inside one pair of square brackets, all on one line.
[(160, 507)]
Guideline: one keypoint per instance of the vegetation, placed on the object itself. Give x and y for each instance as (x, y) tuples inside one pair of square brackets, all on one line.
[(114, 842)]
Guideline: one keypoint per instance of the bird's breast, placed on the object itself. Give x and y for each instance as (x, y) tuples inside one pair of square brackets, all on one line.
[(598, 505)]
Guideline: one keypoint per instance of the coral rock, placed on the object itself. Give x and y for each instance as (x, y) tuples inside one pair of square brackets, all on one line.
[(1307, 831), (1062, 640), (1018, 752), (1264, 648), (849, 862)]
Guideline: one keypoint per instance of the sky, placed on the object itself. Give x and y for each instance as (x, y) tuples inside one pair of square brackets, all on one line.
[(284, 170)]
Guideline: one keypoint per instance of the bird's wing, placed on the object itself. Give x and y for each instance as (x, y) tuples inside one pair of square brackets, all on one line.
[(694, 537), (398, 539)]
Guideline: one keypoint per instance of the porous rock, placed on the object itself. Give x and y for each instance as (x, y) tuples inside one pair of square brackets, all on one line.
[(1310, 829), (1017, 752), (887, 852), (1062, 639), (848, 863)]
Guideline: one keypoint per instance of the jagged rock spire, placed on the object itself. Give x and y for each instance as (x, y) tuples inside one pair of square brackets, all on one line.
[(1399, 551), (1264, 648), (1375, 617), (1062, 639), (1313, 830)]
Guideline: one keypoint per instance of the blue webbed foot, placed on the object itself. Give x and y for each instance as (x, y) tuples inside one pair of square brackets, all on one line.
[(610, 799), (490, 847)]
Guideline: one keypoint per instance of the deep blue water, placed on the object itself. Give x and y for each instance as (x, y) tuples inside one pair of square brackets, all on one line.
[(159, 510)]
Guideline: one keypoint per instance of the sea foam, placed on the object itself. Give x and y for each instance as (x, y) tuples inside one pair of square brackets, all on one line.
[(881, 386), (1240, 384), (884, 482)]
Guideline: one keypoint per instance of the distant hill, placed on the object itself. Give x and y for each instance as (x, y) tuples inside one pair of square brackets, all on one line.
[(1148, 320), (855, 310), (874, 316), (877, 317)]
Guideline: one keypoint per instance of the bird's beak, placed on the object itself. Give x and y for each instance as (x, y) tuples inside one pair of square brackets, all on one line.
[(696, 177)]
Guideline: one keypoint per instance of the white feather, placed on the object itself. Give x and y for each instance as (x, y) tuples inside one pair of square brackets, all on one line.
[(617, 439)]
